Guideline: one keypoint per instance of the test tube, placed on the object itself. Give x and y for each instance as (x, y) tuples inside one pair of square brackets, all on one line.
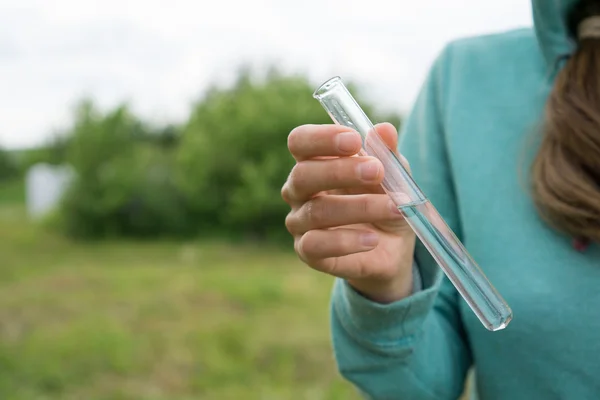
[(449, 253)]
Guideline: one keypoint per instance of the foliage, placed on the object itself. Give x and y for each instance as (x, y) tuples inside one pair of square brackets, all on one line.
[(233, 156), (219, 173), (124, 184), (8, 166), (53, 152)]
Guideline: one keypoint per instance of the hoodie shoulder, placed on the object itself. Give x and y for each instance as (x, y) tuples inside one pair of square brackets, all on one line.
[(517, 42), (493, 63), (495, 75)]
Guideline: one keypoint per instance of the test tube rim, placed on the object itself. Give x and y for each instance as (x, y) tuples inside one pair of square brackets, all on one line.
[(326, 86)]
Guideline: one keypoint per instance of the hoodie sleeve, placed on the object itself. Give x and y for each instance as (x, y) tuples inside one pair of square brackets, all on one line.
[(414, 348)]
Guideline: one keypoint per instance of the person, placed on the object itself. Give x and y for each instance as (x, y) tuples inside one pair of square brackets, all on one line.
[(504, 138)]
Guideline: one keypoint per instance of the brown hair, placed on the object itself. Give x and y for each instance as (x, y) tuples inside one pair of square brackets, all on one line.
[(566, 170)]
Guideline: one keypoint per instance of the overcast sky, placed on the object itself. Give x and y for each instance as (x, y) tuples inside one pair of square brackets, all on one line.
[(161, 55)]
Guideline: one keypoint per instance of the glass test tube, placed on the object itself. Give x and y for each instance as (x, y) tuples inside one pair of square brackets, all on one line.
[(423, 218)]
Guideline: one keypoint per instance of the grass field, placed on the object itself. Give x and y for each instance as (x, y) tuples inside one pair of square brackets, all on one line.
[(157, 320)]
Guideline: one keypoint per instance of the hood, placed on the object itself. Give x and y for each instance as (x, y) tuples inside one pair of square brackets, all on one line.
[(550, 24)]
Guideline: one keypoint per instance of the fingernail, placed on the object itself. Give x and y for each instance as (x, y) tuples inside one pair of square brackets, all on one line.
[(368, 171), (346, 142), (368, 239)]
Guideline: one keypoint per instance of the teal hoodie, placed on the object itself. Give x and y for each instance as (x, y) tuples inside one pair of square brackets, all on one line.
[(470, 142)]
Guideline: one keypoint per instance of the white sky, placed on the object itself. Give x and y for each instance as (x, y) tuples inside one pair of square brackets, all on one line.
[(161, 55)]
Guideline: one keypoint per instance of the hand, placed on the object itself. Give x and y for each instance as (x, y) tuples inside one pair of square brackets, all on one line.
[(342, 221)]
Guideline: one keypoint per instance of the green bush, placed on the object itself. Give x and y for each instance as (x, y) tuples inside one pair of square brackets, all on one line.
[(53, 152), (124, 183), (8, 166), (221, 173), (233, 157)]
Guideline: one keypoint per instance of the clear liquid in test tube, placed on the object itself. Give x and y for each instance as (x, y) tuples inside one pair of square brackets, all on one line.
[(420, 214)]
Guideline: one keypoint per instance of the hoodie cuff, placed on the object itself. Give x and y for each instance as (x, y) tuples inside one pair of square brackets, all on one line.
[(386, 324)]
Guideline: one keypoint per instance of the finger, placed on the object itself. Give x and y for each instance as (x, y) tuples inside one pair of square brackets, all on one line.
[(333, 211), (319, 248), (310, 177), (388, 133), (310, 141)]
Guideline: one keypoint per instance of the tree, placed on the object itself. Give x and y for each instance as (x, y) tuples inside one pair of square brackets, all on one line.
[(233, 157), (8, 166)]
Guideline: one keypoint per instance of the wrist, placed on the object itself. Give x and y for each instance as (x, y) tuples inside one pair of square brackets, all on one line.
[(385, 291)]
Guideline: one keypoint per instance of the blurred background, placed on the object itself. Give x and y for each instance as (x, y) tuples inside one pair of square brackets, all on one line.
[(143, 253)]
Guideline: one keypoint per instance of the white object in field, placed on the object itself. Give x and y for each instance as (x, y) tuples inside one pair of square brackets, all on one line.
[(44, 186)]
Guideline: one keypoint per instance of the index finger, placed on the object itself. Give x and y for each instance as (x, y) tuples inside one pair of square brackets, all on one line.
[(310, 141)]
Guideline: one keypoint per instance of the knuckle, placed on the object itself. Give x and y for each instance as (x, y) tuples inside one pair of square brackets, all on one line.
[(308, 247), (316, 211), (299, 247), (364, 205), (290, 187), (295, 224), (339, 171), (298, 176), (285, 192), (289, 222)]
